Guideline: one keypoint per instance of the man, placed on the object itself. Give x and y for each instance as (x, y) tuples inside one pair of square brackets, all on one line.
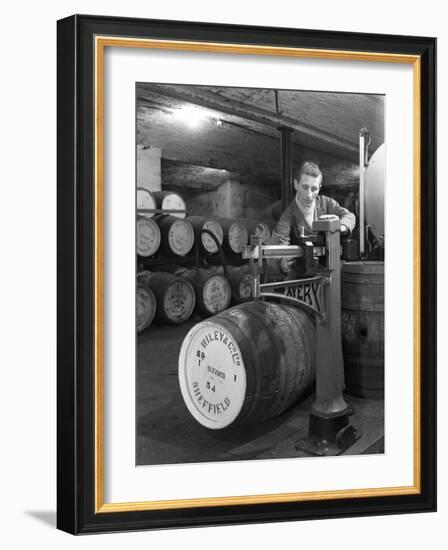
[(307, 206)]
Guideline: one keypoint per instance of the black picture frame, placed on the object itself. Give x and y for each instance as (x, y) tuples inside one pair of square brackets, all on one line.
[(78, 500)]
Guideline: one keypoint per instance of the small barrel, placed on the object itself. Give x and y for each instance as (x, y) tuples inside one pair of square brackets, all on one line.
[(240, 281), (147, 237), (257, 227), (207, 243), (177, 235), (247, 364), (175, 297), (146, 307), (235, 235), (362, 328), (172, 202), (145, 200), (213, 293)]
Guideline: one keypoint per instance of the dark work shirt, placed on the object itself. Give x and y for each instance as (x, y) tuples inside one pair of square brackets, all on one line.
[(289, 225)]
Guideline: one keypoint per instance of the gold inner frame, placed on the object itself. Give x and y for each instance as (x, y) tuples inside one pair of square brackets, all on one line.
[(101, 42)]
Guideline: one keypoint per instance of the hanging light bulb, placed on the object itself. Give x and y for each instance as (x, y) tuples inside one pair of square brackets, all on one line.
[(190, 115)]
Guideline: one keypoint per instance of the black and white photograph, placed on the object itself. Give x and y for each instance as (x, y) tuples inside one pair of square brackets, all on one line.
[(259, 273)]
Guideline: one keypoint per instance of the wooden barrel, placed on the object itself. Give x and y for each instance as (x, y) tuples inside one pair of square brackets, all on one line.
[(143, 277), (240, 281), (146, 200), (175, 297), (147, 237), (177, 236), (207, 243), (257, 227), (173, 202), (235, 235), (213, 293), (362, 305), (247, 364), (146, 306)]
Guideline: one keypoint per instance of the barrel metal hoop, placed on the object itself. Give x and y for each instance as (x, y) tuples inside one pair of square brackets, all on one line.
[(296, 302)]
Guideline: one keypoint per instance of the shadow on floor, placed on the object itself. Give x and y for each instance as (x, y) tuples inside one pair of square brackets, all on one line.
[(48, 517)]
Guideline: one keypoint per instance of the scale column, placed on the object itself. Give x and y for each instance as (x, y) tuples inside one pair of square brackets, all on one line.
[(329, 430)]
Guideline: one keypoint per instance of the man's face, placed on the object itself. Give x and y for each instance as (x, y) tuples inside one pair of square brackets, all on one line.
[(307, 189)]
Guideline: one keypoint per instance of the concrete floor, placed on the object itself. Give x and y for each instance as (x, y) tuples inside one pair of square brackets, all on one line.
[(168, 434)]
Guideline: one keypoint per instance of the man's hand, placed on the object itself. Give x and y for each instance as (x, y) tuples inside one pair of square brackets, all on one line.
[(344, 228)]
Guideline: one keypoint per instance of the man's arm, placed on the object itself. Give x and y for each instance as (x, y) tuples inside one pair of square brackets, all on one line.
[(282, 235), (346, 217)]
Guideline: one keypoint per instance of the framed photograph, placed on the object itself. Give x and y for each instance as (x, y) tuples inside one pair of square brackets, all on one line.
[(246, 274)]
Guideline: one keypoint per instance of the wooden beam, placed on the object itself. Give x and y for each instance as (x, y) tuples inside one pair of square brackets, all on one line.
[(194, 176), (204, 178), (216, 102)]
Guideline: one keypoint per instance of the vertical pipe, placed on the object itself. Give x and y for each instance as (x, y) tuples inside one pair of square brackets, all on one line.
[(286, 164), (362, 135)]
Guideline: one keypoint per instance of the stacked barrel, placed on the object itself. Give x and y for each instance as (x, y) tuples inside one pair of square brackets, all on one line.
[(164, 228), (160, 226), (240, 281), (189, 264), (174, 297)]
